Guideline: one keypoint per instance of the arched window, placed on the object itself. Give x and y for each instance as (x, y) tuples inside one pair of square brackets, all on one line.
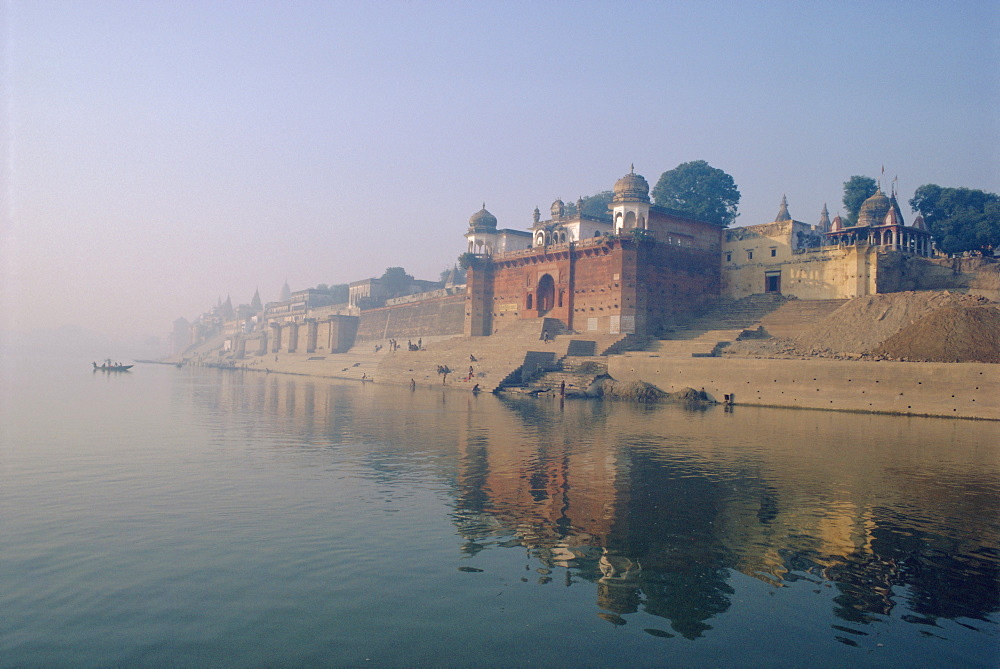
[(629, 220)]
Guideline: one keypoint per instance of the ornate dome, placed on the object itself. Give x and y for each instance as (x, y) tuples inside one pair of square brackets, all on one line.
[(874, 209), (631, 188), (558, 209), (482, 221)]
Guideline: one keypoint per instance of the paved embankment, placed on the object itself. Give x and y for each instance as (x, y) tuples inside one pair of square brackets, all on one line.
[(962, 390)]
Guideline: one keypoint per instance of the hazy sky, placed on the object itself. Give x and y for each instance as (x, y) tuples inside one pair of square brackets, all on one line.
[(159, 155)]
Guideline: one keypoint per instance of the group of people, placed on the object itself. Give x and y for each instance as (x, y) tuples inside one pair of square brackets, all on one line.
[(410, 346)]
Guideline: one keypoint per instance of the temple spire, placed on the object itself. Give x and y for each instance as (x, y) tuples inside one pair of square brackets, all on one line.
[(783, 211), (824, 220)]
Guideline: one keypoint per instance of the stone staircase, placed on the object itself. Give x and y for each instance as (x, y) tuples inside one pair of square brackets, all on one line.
[(706, 334), (796, 317), (576, 371), (498, 359), (729, 315)]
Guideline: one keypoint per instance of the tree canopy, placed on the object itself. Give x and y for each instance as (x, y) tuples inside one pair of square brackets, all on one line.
[(395, 281), (338, 292), (961, 219), (857, 189), (698, 189), (595, 205)]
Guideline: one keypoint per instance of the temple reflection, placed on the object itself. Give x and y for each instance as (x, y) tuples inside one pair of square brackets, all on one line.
[(659, 507)]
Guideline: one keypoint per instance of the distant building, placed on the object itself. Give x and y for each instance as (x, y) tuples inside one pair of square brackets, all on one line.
[(822, 261), (650, 267)]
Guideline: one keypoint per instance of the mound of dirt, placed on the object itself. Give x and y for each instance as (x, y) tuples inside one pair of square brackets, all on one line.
[(635, 391), (949, 334), (861, 325), (640, 391)]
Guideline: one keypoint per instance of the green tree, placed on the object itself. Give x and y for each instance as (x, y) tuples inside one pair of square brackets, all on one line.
[(339, 293), (700, 190), (961, 219), (857, 189), (395, 281), (595, 206)]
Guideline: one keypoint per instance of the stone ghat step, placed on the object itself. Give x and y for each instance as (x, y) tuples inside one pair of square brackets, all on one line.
[(714, 334), (798, 316), (578, 364), (496, 357), (552, 381), (703, 345)]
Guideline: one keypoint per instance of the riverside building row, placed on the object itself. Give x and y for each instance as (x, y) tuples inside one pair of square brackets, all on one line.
[(640, 270)]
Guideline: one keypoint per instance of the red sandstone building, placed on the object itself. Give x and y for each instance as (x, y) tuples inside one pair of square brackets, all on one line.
[(638, 274)]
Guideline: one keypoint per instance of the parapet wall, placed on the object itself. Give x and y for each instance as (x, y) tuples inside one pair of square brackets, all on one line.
[(428, 318), (961, 390), (973, 275)]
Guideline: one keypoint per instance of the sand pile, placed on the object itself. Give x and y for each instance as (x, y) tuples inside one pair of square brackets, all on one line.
[(861, 325), (634, 391), (949, 334)]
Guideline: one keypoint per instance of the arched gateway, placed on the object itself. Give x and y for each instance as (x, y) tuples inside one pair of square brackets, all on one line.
[(546, 294)]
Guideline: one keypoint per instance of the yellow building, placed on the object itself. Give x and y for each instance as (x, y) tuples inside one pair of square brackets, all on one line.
[(822, 261)]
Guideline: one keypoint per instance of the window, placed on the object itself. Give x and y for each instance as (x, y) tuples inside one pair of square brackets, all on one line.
[(729, 257), (774, 252), (749, 255)]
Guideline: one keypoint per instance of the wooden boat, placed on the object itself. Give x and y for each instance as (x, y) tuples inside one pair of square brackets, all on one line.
[(111, 368)]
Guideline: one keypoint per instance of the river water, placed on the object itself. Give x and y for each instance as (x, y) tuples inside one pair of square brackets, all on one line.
[(197, 517)]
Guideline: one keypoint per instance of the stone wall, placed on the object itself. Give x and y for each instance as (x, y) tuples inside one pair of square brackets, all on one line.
[(607, 287), (829, 273), (962, 390), (600, 288), (672, 283), (438, 317), (478, 301), (976, 275), (516, 282)]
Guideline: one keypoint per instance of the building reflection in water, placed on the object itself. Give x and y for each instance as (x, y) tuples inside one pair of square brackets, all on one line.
[(658, 506)]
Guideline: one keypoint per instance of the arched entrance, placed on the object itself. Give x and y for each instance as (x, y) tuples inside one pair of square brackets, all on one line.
[(546, 293)]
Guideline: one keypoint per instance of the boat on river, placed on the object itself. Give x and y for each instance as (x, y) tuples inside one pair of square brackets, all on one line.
[(111, 367)]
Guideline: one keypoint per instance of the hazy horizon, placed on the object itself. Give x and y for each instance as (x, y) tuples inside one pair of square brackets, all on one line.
[(160, 156)]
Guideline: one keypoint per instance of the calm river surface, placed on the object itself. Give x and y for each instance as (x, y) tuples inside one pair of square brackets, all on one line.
[(194, 517)]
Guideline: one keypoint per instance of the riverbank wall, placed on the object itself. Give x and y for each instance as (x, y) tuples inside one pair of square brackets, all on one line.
[(436, 317), (955, 390)]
